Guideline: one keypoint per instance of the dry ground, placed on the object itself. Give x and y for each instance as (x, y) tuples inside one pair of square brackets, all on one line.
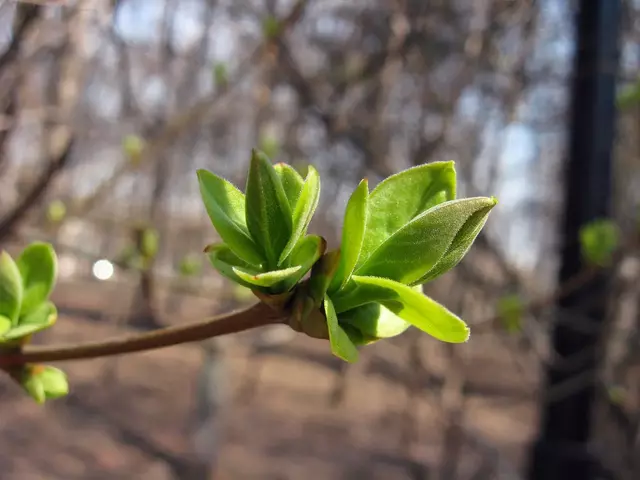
[(129, 418)]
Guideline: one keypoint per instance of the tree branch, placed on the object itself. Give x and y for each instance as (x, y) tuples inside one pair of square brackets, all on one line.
[(258, 315), (56, 165)]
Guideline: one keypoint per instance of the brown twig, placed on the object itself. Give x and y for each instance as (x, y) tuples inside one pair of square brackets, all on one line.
[(258, 315), (36, 192)]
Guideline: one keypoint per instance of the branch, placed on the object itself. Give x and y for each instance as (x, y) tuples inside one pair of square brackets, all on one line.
[(258, 315), (25, 17), (190, 117), (37, 191)]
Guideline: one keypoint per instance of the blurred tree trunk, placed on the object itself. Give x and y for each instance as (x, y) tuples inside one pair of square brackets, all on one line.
[(562, 449)]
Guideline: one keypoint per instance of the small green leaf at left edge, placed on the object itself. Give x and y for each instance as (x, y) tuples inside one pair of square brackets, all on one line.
[(54, 382), (353, 232), (268, 213), (39, 319), (419, 310), (266, 279), (303, 212), (341, 345), (38, 267), (11, 289)]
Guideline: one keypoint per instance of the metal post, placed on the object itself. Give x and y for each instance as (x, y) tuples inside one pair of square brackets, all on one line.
[(562, 451)]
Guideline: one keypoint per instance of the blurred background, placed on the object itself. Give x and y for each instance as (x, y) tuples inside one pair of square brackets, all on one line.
[(107, 108)]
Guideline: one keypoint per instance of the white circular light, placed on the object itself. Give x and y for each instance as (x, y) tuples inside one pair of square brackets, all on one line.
[(103, 269)]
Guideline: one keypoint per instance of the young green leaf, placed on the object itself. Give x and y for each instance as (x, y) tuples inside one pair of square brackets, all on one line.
[(266, 279), (291, 182), (375, 320), (415, 308), (56, 211), (353, 232), (11, 289), (459, 246), (22, 331), (599, 240), (268, 213), (45, 314), (225, 206), (410, 253), (224, 259), (33, 386), (401, 197), (38, 267), (358, 338), (220, 74), (341, 345), (305, 207), (54, 382), (306, 254), (321, 275), (5, 324), (511, 310), (149, 243)]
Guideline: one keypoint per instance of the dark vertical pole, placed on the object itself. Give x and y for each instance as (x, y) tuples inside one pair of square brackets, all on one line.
[(561, 451)]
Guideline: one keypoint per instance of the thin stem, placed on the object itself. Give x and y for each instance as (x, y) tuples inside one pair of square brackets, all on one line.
[(258, 315)]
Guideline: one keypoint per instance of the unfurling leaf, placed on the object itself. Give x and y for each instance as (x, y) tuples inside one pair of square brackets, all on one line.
[(268, 214), (341, 345), (306, 254), (321, 275), (39, 319), (224, 259), (266, 279), (375, 321), (599, 240), (305, 207), (415, 308), (34, 387), (38, 267), (353, 233), (11, 289), (225, 206), (44, 382), (400, 198), (415, 249), (291, 182), (460, 245), (54, 382)]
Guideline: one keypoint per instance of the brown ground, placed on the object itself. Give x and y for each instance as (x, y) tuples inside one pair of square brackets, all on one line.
[(129, 419)]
